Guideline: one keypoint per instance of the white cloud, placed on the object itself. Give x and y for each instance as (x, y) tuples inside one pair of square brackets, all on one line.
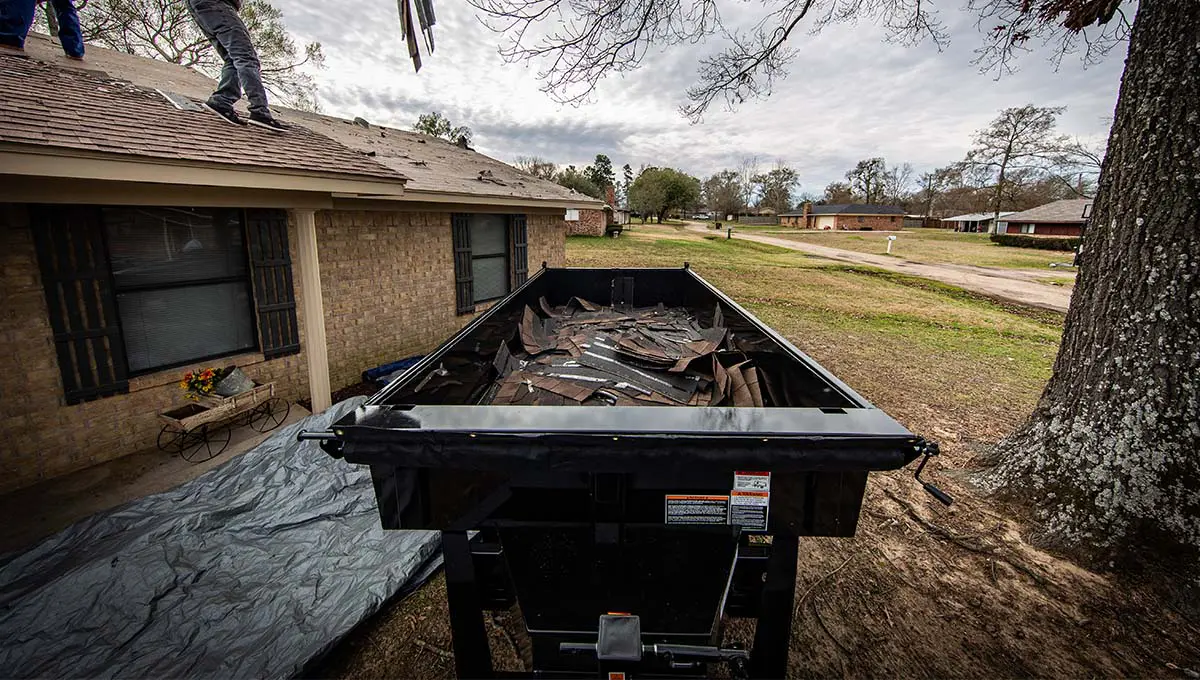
[(850, 95)]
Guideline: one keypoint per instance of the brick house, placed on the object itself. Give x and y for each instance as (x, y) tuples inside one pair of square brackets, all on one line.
[(586, 222), (845, 216), (138, 240), (1060, 218)]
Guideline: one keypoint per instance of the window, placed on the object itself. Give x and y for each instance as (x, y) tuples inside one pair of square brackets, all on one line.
[(1026, 228), (489, 257), (891, 219), (182, 284), (861, 219), (132, 290), (572, 215)]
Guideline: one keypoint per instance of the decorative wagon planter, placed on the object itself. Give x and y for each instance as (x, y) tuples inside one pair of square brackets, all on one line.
[(201, 431)]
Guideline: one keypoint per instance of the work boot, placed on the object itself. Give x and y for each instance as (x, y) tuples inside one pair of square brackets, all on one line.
[(267, 121), (225, 112)]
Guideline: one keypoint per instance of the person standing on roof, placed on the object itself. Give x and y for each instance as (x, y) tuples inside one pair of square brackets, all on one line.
[(220, 23), (16, 18)]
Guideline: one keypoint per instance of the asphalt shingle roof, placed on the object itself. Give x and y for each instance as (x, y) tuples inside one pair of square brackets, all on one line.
[(1069, 211), (429, 164), (87, 110)]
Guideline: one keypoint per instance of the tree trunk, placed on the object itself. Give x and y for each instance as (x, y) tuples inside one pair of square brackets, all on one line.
[(1111, 455), (995, 228)]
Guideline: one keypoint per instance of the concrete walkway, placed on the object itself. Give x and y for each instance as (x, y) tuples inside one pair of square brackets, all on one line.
[(1011, 285), (51, 506)]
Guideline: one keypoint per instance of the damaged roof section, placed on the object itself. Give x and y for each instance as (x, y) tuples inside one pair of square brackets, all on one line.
[(586, 354)]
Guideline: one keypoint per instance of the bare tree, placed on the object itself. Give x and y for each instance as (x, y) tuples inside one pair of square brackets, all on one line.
[(723, 194), (867, 179), (775, 188), (1111, 456), (1019, 138), (536, 166), (747, 171), (163, 29)]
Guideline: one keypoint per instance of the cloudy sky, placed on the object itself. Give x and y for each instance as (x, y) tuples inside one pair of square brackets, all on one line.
[(850, 95)]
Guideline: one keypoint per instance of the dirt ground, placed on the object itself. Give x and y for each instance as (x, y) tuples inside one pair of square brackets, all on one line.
[(922, 590)]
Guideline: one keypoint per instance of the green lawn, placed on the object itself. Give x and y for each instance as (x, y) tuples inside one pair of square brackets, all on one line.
[(905, 342), (926, 245)]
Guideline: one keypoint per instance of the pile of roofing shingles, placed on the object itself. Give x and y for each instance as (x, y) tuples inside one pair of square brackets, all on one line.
[(586, 354)]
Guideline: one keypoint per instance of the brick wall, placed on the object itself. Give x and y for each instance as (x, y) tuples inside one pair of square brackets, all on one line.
[(387, 281), (873, 222), (40, 436), (590, 223)]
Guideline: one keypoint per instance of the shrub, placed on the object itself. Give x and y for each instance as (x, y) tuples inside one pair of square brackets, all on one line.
[(1067, 243)]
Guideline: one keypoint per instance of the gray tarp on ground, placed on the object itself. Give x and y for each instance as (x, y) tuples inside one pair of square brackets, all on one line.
[(248, 571)]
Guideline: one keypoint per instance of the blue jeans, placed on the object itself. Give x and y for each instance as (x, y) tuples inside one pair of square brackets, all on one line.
[(16, 16), (220, 23)]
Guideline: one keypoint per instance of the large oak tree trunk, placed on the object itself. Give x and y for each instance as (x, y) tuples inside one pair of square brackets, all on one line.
[(1111, 455)]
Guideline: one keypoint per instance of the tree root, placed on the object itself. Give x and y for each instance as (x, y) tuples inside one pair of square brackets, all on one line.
[(800, 602), (437, 651), (991, 551)]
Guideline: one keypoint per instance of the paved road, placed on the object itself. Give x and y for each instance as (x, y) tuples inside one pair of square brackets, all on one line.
[(1014, 285)]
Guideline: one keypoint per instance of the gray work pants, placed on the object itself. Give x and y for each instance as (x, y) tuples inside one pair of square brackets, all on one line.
[(220, 23)]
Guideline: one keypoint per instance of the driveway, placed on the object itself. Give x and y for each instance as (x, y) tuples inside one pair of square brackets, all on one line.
[(1011, 285)]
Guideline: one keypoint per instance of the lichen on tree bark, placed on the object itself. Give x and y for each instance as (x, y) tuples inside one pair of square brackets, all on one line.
[(1111, 455)]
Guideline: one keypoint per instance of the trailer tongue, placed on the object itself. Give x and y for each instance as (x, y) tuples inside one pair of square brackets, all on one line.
[(629, 457)]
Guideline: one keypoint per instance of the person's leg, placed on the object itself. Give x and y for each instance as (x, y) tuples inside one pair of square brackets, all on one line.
[(69, 33), (16, 16), (220, 21), (228, 90)]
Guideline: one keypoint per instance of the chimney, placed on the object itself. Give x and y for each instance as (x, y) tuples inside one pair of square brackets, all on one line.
[(610, 196), (804, 218)]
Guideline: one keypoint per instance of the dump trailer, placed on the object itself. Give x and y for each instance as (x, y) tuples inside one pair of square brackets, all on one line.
[(629, 458)]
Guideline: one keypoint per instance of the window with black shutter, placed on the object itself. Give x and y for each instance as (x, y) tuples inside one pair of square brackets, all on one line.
[(490, 257), (78, 285), (274, 291), (134, 290), (518, 231), (464, 295)]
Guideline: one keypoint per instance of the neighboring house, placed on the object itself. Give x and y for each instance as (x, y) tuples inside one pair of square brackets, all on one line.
[(972, 222), (1060, 218), (586, 221), (138, 240), (620, 216), (847, 216)]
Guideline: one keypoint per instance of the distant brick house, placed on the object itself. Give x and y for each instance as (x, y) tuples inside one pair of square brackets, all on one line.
[(586, 222), (138, 240), (845, 216), (1060, 218)]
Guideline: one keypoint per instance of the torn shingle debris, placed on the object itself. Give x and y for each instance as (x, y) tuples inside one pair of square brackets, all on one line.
[(583, 353)]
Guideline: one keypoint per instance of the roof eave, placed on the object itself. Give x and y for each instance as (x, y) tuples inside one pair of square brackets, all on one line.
[(431, 196), (41, 161)]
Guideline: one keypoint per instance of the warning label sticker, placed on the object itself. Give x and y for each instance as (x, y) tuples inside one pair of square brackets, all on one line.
[(749, 509), (751, 481), (697, 509)]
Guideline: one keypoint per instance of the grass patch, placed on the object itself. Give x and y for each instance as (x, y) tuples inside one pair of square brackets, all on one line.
[(933, 246), (892, 336)]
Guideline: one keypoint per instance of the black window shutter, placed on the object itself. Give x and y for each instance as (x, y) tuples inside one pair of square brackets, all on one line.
[(518, 230), (79, 296), (274, 291), (464, 289)]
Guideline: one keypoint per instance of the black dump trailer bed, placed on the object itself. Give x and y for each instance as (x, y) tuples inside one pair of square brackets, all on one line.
[(629, 457)]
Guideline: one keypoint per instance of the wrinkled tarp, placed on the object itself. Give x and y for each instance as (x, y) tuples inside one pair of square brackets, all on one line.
[(248, 571)]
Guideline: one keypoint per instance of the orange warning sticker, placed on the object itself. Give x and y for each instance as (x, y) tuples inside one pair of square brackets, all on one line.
[(616, 675)]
